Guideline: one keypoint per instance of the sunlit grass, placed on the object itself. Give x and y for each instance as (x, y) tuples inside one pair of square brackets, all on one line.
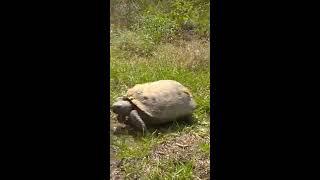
[(185, 62)]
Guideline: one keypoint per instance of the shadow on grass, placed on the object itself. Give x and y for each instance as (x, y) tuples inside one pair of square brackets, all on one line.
[(155, 130)]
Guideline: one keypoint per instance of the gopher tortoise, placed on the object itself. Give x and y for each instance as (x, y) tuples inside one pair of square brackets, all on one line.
[(154, 103)]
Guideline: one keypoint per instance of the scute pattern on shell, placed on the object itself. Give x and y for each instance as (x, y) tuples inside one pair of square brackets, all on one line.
[(162, 99)]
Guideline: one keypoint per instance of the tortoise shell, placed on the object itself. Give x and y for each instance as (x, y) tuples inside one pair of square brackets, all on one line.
[(164, 99)]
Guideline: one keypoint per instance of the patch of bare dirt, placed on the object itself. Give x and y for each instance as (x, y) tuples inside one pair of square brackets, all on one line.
[(185, 148), (115, 172)]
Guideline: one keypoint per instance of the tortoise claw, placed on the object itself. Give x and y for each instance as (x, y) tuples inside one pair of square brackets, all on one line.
[(121, 119)]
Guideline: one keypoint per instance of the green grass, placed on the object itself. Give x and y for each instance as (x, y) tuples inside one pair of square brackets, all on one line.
[(172, 170), (150, 41), (186, 62)]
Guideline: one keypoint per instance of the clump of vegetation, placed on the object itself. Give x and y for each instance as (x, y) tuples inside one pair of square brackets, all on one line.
[(149, 22), (153, 40)]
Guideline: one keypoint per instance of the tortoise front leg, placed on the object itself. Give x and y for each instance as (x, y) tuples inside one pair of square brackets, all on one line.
[(135, 120)]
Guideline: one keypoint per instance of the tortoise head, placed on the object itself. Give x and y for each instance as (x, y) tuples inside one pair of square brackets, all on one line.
[(122, 107)]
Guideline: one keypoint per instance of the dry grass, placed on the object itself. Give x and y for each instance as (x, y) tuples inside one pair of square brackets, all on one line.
[(164, 157)]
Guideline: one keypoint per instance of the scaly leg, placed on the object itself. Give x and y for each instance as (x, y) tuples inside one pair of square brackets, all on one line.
[(135, 120)]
